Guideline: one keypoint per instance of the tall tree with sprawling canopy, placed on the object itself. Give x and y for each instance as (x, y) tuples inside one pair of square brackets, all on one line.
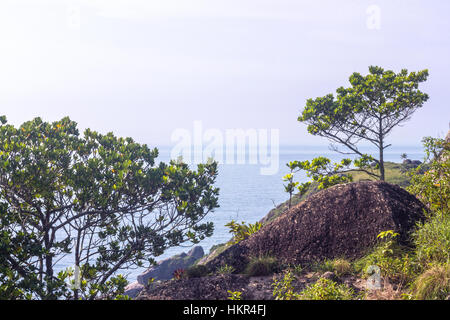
[(101, 199), (367, 111)]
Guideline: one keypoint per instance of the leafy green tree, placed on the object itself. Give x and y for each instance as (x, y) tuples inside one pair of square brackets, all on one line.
[(367, 111), (101, 199)]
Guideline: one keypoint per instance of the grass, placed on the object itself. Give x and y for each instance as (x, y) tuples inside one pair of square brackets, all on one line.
[(433, 284), (393, 174), (261, 266)]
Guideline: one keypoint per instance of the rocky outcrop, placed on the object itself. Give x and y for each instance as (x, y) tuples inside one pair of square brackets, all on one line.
[(133, 289), (342, 221), (164, 270)]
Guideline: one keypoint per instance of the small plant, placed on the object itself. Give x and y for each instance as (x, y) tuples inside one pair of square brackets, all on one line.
[(297, 269), (234, 295), (225, 269), (395, 261), (341, 267), (283, 288), (261, 266), (325, 289), (196, 271), (433, 284), (387, 234), (242, 231), (178, 274)]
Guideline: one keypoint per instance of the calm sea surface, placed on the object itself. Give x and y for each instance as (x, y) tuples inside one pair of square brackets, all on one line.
[(246, 195)]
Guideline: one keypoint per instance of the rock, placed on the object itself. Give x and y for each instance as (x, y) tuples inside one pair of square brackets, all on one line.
[(407, 161), (416, 162), (196, 252), (214, 288), (133, 289), (165, 268), (340, 222)]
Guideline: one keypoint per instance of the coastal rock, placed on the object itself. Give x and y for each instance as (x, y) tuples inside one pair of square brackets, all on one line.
[(133, 289), (165, 268), (341, 221)]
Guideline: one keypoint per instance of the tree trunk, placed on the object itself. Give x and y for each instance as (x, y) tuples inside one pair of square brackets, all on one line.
[(381, 165), (381, 146)]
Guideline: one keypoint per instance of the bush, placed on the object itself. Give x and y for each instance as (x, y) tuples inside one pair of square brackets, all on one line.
[(397, 263), (225, 269), (433, 284), (196, 271), (261, 266), (341, 267), (432, 239), (325, 289), (283, 288), (242, 231)]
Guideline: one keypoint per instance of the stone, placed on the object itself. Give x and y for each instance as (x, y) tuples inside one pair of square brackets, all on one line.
[(340, 222), (165, 268), (133, 289)]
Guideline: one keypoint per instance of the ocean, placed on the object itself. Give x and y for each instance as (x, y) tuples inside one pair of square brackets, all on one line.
[(247, 195)]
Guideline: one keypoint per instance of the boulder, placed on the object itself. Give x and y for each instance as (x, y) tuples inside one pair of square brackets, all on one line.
[(133, 289), (165, 268), (342, 221)]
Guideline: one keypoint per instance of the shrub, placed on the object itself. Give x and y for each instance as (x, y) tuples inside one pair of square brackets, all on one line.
[(261, 266), (433, 284), (325, 289), (242, 231), (341, 267), (283, 288), (397, 263), (225, 269), (432, 239), (196, 271)]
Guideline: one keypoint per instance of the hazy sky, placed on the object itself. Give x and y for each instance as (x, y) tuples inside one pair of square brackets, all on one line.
[(145, 68)]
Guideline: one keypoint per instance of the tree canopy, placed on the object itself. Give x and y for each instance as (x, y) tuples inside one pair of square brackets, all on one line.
[(367, 111), (99, 198)]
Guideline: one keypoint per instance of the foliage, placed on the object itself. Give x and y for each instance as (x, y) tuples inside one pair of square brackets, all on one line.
[(325, 289), (433, 284), (433, 187), (296, 269), (196, 271), (342, 267), (367, 111), (261, 266), (225, 269), (432, 239), (99, 198), (283, 288), (242, 231), (234, 295), (396, 262)]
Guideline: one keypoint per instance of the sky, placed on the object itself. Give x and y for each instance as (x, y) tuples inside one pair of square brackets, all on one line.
[(146, 68)]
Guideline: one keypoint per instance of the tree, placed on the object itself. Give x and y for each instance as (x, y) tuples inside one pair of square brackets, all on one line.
[(367, 111), (101, 199)]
